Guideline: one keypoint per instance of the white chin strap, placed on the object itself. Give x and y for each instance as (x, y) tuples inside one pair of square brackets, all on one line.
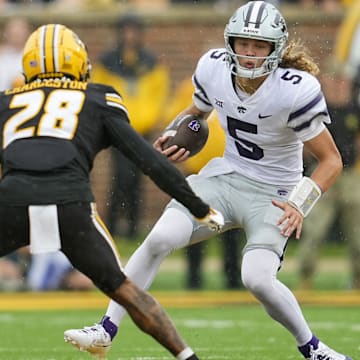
[(243, 72), (251, 73), (268, 64)]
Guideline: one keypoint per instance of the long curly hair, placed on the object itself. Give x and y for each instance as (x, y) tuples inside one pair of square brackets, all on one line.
[(296, 56)]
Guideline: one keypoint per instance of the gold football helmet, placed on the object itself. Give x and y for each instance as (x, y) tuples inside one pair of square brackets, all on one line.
[(53, 50)]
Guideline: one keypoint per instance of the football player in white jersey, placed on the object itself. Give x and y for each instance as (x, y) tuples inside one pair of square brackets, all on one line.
[(270, 106)]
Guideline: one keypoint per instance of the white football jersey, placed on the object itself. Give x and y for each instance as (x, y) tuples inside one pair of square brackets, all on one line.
[(265, 131)]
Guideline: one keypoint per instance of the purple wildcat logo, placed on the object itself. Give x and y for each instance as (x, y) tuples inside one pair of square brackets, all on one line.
[(194, 125)]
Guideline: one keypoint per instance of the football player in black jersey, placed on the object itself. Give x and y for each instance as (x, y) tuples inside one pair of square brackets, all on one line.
[(51, 130)]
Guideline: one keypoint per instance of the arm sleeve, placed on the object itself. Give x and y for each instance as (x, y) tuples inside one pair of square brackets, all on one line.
[(152, 163)]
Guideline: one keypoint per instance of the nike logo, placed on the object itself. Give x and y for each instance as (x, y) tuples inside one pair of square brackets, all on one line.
[(264, 116)]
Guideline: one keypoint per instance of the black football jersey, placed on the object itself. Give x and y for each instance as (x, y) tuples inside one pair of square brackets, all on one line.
[(51, 132)]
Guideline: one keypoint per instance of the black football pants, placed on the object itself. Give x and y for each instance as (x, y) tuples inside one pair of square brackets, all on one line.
[(84, 240)]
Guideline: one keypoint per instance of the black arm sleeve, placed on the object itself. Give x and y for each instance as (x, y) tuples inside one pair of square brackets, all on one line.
[(152, 163)]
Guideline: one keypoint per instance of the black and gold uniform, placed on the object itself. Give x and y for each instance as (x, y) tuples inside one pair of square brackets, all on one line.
[(51, 131)]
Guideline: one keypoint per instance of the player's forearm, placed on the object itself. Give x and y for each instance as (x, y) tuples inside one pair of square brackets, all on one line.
[(326, 173)]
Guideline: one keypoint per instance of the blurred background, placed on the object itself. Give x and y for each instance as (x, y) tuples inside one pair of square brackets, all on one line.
[(148, 50)]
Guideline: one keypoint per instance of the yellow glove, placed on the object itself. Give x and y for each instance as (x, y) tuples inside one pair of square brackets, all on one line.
[(214, 220)]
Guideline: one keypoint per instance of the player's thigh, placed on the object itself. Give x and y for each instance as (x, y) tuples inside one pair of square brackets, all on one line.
[(261, 222), (14, 228), (89, 246), (215, 192)]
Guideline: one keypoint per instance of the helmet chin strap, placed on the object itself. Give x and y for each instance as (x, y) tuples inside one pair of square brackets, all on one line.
[(268, 64), (254, 73), (250, 73)]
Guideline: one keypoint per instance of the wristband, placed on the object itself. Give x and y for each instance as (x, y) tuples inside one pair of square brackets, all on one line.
[(304, 196)]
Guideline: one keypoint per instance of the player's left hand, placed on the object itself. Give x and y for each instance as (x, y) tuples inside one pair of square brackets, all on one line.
[(214, 220), (173, 153), (290, 221)]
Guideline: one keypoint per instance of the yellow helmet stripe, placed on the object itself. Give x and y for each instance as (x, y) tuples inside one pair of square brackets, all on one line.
[(58, 28), (42, 48), (48, 48)]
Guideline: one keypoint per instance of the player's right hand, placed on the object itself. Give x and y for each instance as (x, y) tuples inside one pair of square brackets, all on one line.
[(291, 220), (214, 220), (173, 153)]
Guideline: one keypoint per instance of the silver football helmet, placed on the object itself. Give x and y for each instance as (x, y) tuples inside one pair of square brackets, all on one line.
[(256, 20)]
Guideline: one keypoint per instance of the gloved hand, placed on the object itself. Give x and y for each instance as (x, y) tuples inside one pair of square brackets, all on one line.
[(214, 220)]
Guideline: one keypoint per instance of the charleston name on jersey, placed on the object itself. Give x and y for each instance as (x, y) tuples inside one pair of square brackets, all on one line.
[(265, 131), (51, 132)]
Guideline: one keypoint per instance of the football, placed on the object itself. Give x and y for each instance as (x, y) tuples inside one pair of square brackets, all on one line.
[(187, 131)]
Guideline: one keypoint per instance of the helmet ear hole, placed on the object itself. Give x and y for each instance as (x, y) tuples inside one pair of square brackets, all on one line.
[(272, 48), (231, 42)]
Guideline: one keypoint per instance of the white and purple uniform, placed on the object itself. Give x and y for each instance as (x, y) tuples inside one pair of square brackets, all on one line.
[(263, 158), (265, 131)]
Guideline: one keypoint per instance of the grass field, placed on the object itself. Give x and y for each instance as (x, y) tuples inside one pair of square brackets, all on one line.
[(221, 332), (219, 325), (332, 273)]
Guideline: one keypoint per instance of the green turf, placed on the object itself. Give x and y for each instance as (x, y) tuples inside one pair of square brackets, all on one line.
[(235, 333), (173, 279)]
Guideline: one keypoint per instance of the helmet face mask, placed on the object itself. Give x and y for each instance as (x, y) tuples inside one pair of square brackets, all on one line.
[(54, 51), (260, 21)]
